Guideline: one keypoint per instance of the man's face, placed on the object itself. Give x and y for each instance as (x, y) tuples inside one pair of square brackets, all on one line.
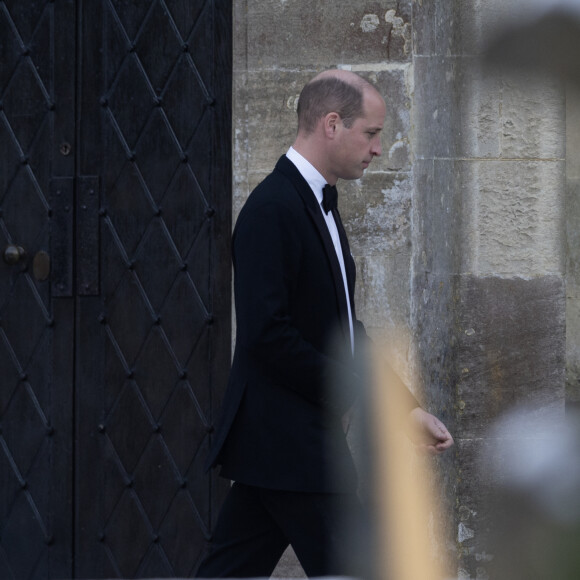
[(355, 147)]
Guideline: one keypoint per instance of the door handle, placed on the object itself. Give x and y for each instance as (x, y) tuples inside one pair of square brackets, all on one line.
[(14, 254)]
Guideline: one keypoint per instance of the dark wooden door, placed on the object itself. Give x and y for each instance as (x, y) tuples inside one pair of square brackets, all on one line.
[(115, 169), (36, 310)]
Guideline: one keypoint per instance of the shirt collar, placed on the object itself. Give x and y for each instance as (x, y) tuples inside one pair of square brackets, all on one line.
[(308, 171)]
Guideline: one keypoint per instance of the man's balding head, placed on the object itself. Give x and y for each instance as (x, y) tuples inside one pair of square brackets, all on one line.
[(338, 91)]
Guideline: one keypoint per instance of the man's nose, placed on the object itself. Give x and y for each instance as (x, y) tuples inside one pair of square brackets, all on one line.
[(377, 148)]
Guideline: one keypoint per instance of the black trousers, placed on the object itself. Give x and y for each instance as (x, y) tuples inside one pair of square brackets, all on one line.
[(256, 525)]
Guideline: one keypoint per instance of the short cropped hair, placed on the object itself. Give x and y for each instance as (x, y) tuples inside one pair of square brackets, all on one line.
[(329, 95)]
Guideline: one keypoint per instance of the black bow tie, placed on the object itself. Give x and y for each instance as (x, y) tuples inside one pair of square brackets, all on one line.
[(329, 197)]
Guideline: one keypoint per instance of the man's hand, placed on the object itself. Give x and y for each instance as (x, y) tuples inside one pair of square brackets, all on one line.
[(428, 433)]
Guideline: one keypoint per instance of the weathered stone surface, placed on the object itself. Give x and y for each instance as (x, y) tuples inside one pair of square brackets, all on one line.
[(489, 343), (435, 108), (490, 217), (240, 38), (573, 350), (461, 27), (469, 536), (382, 293), (513, 217), (533, 118), (573, 133), (510, 337), (486, 345), (376, 212), (265, 116), (396, 86), (435, 27), (573, 245), (435, 297), (437, 216), (463, 110), (457, 108), (288, 34)]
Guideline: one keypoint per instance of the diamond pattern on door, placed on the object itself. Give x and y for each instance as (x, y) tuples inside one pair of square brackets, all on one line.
[(34, 438), (114, 353), (157, 324)]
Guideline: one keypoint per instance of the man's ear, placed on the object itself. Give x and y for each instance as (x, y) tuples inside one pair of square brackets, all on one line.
[(331, 123)]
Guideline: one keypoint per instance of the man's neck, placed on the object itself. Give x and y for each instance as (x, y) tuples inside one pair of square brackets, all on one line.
[(311, 152)]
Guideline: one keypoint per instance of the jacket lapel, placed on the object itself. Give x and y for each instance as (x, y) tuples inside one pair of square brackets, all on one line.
[(349, 264), (315, 212)]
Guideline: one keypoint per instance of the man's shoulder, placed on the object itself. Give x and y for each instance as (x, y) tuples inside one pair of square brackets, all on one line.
[(281, 187), (275, 201), (284, 174)]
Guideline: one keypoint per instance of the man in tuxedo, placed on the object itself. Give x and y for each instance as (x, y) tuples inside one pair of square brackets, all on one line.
[(298, 344)]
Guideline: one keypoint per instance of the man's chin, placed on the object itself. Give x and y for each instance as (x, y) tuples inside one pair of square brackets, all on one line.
[(355, 174)]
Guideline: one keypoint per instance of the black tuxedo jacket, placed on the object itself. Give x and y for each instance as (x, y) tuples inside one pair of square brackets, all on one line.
[(293, 375)]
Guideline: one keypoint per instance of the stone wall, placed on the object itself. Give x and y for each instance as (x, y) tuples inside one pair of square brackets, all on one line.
[(573, 245), (457, 230), (488, 291)]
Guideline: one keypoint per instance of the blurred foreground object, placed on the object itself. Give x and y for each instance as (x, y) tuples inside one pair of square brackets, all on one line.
[(546, 39), (407, 521), (534, 470)]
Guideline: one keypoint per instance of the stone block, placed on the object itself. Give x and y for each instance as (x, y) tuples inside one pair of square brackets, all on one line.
[(376, 212), (436, 131), (533, 117), (437, 216), (456, 110), (265, 117), (573, 237), (572, 350), (382, 296), (513, 220), (473, 515), (326, 33), (486, 344), (435, 297), (489, 217), (573, 245), (464, 110), (433, 30), (460, 27), (240, 36), (382, 304), (510, 348), (396, 88), (244, 183), (573, 132)]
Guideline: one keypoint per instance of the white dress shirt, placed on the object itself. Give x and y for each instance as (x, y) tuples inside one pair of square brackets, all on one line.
[(317, 182)]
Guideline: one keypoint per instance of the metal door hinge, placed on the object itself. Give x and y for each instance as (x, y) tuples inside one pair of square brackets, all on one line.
[(61, 236), (87, 236), (70, 235)]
